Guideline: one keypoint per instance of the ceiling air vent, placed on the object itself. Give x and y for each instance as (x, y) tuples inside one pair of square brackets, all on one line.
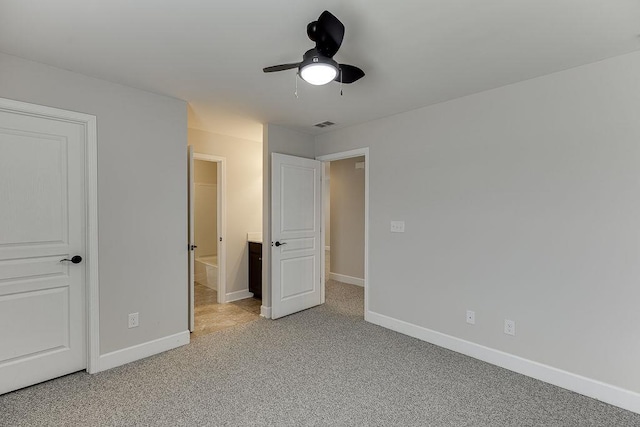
[(324, 124)]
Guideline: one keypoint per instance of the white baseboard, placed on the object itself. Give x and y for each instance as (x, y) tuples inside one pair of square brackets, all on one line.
[(238, 295), (265, 312), (604, 392), (346, 279), (140, 351), (327, 248)]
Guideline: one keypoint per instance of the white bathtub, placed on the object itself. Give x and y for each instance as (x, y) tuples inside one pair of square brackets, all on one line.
[(206, 271)]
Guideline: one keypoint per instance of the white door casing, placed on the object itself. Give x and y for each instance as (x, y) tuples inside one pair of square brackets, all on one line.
[(296, 247), (191, 250), (43, 219)]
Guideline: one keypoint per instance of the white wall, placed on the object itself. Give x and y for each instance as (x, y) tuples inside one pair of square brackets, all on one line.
[(520, 202), (244, 197), (281, 140), (141, 195)]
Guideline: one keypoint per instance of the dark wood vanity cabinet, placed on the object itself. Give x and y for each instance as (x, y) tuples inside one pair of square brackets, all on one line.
[(255, 269)]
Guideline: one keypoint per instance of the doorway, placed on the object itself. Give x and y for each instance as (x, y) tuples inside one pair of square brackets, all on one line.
[(344, 230), (211, 307), (296, 230), (207, 223)]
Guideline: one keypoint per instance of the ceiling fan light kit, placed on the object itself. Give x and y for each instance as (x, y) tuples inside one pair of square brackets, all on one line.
[(318, 74), (317, 66), (317, 69)]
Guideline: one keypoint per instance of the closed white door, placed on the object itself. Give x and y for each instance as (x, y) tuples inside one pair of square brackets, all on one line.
[(296, 203), (42, 222)]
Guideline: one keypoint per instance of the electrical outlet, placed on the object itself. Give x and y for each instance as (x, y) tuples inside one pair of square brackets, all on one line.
[(133, 320), (397, 226), (509, 327), (471, 317)]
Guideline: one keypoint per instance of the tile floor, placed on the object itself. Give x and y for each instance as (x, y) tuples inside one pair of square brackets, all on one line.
[(211, 316)]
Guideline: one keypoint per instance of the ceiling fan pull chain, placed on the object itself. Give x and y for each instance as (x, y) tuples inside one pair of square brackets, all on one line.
[(296, 92), (340, 82)]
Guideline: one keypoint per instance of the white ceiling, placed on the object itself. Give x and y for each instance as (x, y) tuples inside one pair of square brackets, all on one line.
[(414, 52)]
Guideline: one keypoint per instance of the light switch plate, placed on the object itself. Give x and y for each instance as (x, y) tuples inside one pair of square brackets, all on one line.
[(397, 226)]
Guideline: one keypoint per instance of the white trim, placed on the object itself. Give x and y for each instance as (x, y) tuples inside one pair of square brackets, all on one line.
[(93, 288), (604, 392), (238, 295), (91, 213), (265, 312), (327, 248), (367, 163), (140, 351), (346, 279), (345, 155), (222, 221)]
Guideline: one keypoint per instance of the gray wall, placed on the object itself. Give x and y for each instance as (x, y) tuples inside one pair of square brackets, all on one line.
[(520, 202), (244, 197), (281, 140), (347, 218), (142, 200)]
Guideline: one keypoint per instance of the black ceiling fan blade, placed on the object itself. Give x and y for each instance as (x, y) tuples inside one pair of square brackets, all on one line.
[(348, 73), (280, 67), (330, 33)]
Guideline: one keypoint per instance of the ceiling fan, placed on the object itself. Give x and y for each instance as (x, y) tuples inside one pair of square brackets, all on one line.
[(317, 66)]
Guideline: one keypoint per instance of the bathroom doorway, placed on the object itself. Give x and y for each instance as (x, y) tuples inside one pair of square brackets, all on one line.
[(207, 224)]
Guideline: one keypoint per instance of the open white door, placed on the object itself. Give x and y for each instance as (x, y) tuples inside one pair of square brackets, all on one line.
[(192, 245), (43, 328), (296, 248)]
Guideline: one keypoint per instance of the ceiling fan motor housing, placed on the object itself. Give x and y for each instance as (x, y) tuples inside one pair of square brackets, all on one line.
[(312, 30), (313, 57)]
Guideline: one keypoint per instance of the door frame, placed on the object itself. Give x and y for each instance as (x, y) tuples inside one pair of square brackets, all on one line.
[(221, 226), (358, 152), (91, 287)]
